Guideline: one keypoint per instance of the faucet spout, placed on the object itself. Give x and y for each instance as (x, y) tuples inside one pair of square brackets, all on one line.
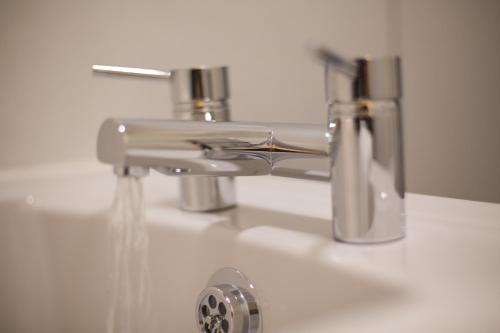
[(216, 149)]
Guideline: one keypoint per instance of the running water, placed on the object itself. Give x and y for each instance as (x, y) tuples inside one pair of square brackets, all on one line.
[(129, 308)]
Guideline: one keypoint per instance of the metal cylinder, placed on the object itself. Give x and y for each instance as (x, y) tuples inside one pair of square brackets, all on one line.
[(366, 153), (200, 84), (202, 94)]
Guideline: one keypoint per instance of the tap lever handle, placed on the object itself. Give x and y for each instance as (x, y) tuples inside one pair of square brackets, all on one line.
[(189, 85), (333, 58), (361, 78), (131, 71)]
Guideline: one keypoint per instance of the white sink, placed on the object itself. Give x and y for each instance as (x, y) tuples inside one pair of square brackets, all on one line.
[(443, 277)]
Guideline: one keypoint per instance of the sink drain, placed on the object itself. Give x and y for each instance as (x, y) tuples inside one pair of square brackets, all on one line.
[(228, 304)]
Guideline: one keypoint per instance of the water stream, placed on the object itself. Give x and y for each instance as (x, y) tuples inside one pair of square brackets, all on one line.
[(130, 286)]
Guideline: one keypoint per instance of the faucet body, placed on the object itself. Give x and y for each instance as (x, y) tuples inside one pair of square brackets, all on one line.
[(359, 154), (359, 150)]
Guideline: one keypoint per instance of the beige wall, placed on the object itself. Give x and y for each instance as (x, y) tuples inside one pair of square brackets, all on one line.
[(51, 105), (451, 52)]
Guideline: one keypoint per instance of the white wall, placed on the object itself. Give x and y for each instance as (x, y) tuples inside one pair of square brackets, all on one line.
[(51, 105)]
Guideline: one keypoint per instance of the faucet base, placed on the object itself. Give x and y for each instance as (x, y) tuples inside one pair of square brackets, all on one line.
[(204, 193)]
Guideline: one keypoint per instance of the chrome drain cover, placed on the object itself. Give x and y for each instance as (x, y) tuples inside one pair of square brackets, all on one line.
[(228, 304)]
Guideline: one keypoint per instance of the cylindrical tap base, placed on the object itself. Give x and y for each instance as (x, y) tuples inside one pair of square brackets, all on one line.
[(206, 193), (367, 172)]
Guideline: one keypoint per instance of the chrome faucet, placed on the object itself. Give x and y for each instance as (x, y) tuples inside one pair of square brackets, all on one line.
[(199, 94), (359, 150)]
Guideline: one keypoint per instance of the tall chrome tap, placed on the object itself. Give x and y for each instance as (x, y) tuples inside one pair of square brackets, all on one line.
[(359, 150), (198, 94)]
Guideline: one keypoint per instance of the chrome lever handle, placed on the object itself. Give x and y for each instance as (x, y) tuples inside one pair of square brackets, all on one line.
[(333, 58), (361, 78), (190, 85), (131, 71)]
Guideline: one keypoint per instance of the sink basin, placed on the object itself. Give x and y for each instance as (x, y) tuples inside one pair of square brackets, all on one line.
[(54, 264)]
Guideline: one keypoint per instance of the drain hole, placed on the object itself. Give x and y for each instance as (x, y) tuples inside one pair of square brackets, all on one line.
[(205, 310), (206, 328), (212, 301), (225, 325), (222, 309)]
